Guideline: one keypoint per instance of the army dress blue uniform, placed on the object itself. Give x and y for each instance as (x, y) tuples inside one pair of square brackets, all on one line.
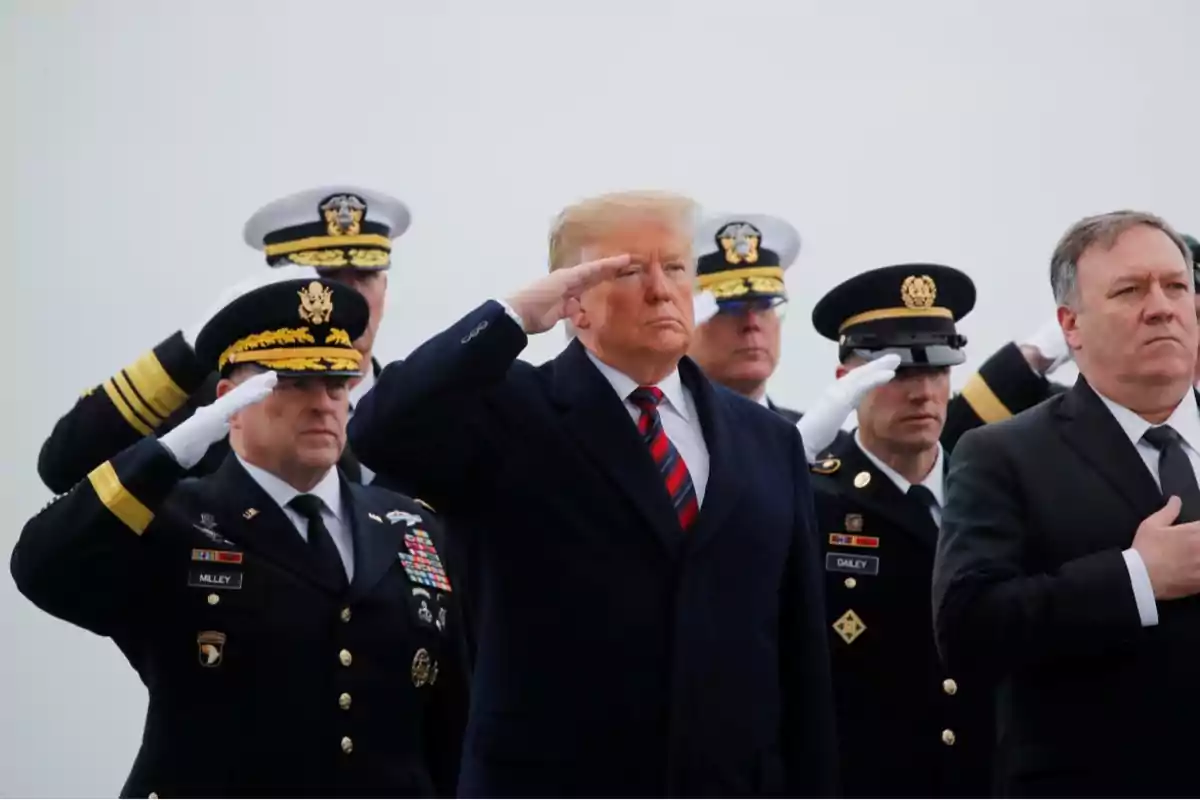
[(269, 671), (907, 727)]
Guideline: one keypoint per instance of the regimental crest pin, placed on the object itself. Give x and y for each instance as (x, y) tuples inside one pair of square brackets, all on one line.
[(854, 523)]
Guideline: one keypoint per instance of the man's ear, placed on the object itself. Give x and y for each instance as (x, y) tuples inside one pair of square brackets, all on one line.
[(1068, 320), (224, 386), (577, 313)]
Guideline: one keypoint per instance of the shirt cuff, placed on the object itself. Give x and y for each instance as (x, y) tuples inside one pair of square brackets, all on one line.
[(1143, 592), (512, 314)]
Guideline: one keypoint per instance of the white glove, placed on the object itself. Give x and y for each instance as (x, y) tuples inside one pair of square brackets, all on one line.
[(704, 307), (260, 278), (1049, 341), (188, 443), (820, 424)]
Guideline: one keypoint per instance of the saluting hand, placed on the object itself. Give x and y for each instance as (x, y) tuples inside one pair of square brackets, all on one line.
[(208, 424), (556, 296)]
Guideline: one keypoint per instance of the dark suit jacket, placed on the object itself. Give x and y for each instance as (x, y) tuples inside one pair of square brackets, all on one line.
[(907, 727), (617, 656), (154, 394), (1030, 586), (304, 689)]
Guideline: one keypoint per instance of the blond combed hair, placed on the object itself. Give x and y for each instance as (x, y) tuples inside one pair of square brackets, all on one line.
[(590, 220)]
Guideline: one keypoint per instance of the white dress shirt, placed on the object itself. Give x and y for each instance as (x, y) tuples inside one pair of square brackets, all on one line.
[(679, 419), (934, 481), (329, 490), (357, 393), (1185, 419)]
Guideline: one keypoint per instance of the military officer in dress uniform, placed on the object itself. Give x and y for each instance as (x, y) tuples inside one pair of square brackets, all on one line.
[(741, 304), (296, 631), (741, 259), (344, 233), (907, 728)]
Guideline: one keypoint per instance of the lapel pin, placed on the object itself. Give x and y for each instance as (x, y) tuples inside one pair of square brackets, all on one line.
[(250, 513), (374, 516), (862, 479)]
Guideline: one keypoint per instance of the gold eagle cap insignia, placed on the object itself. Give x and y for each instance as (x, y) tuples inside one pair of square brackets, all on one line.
[(316, 303), (918, 291), (740, 242), (343, 214)]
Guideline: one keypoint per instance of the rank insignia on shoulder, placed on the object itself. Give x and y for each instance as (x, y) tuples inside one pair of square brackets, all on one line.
[(852, 540), (826, 466)]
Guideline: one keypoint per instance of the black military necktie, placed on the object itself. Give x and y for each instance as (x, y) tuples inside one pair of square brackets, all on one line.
[(922, 495), (1175, 472), (320, 543)]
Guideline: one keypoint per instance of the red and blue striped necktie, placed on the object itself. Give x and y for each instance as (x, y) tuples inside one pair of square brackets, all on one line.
[(670, 463)]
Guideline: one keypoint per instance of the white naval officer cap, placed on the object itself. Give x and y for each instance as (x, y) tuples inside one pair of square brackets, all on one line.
[(329, 228), (741, 258)]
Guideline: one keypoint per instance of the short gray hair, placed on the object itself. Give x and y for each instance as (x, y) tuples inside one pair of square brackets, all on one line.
[(1101, 230)]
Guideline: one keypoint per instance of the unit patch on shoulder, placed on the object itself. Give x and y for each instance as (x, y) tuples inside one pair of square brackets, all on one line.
[(826, 466)]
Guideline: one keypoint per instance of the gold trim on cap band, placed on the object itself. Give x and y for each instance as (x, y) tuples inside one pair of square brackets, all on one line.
[(740, 274), (286, 353), (895, 313), (320, 242), (117, 499), (983, 401)]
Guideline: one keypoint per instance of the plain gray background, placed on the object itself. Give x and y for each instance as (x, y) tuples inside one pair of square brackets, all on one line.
[(142, 134)]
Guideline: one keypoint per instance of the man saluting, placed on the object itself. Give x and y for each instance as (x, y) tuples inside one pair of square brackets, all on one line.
[(650, 610)]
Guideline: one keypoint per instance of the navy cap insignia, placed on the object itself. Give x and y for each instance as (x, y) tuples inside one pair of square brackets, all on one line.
[(343, 214)]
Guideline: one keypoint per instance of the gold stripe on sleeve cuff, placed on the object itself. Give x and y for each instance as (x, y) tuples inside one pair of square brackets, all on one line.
[(139, 406), (118, 500), (123, 408), (983, 400), (153, 383)]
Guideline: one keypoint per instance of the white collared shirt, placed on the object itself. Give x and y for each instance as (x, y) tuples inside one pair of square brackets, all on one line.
[(329, 490), (763, 401), (1185, 419), (357, 393), (934, 481), (680, 420)]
